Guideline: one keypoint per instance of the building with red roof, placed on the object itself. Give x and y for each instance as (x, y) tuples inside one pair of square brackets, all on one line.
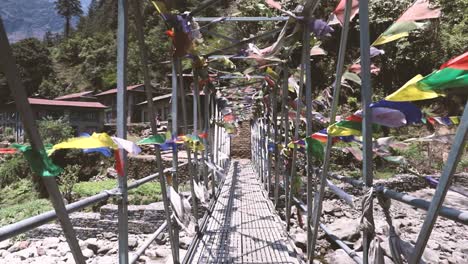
[(82, 116)]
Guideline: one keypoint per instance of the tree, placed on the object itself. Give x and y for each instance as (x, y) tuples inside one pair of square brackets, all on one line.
[(34, 65), (68, 9)]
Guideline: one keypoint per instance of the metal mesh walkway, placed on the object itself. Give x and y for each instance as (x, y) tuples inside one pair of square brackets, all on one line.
[(243, 227)]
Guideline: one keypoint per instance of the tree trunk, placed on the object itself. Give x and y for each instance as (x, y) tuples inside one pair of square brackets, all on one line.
[(67, 26)]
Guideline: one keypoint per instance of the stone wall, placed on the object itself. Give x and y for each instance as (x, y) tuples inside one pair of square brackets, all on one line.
[(240, 144)]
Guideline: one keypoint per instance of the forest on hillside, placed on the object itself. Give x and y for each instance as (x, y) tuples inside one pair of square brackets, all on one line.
[(86, 59)]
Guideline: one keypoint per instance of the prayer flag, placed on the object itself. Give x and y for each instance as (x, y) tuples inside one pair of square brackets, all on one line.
[(340, 10), (411, 91), (345, 128), (128, 145), (155, 139), (459, 62), (455, 119), (314, 148), (396, 31), (39, 162), (447, 78), (419, 10), (96, 140), (411, 112), (118, 163)]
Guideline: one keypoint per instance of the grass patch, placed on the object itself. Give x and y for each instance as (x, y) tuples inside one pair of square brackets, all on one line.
[(18, 212), (144, 194), (19, 201), (384, 174)]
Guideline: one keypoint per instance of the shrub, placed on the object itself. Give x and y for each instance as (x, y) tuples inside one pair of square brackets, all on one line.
[(68, 179), (13, 169)]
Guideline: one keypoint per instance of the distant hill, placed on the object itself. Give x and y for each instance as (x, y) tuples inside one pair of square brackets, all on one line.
[(31, 18)]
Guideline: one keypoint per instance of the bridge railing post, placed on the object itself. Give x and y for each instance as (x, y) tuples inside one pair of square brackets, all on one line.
[(317, 210)]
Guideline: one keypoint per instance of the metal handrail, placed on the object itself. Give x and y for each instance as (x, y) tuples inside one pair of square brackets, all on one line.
[(41, 219)]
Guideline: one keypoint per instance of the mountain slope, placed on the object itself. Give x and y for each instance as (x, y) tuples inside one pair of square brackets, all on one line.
[(31, 18)]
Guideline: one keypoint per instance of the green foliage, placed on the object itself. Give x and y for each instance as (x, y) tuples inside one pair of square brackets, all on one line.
[(33, 62), (68, 179), (144, 194), (19, 201), (18, 212), (68, 9), (13, 169), (54, 130)]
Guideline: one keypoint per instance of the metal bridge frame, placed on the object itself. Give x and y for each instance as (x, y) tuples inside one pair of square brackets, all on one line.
[(263, 130)]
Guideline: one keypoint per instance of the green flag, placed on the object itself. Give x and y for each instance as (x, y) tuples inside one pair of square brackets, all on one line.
[(155, 139), (446, 78), (39, 161), (314, 148)]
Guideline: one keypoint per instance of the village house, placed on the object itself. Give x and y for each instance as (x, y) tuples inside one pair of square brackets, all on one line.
[(82, 116)]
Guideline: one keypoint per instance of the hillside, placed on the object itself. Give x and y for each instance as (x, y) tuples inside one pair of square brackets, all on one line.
[(31, 18)]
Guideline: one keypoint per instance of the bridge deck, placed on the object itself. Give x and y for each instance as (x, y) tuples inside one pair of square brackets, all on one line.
[(243, 227)]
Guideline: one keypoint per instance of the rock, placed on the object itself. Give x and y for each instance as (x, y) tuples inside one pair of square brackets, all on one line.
[(132, 242), (106, 260), (5, 244), (53, 253), (339, 256), (430, 256), (26, 253), (105, 248), (14, 248), (112, 251), (161, 238), (162, 252), (40, 251), (300, 240), (44, 260), (388, 260), (345, 229), (92, 243), (462, 246), (3, 253), (110, 236), (50, 242), (88, 253), (184, 242), (63, 249), (458, 258), (151, 253), (433, 245), (24, 244)]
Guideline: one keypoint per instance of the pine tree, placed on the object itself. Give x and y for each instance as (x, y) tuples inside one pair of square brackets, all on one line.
[(68, 9)]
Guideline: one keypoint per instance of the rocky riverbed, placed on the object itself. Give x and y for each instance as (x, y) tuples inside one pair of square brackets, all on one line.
[(97, 232), (448, 242)]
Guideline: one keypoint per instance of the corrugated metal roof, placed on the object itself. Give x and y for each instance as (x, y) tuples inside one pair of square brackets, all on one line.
[(73, 95), (37, 101), (111, 91)]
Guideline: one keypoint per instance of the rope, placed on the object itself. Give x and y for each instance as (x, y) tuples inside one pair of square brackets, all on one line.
[(393, 240), (367, 218)]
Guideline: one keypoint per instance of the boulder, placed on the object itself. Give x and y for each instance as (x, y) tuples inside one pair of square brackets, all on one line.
[(345, 229), (5, 244), (339, 256), (88, 253)]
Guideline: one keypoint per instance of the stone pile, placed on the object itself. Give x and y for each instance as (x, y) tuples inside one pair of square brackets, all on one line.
[(448, 243)]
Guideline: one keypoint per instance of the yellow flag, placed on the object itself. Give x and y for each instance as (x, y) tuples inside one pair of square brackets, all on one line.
[(455, 120), (97, 140), (411, 92), (160, 7), (335, 130), (385, 39)]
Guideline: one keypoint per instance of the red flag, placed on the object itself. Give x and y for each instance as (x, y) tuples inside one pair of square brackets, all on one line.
[(203, 135), (459, 62), (354, 118), (118, 163), (420, 10), (339, 11)]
